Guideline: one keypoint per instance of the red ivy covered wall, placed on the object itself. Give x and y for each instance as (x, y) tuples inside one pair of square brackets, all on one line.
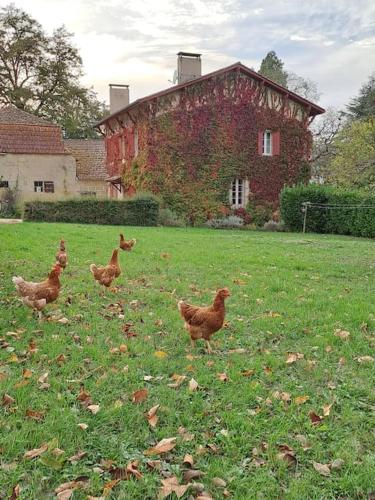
[(192, 143)]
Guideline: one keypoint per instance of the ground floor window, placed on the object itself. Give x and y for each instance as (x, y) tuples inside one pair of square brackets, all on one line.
[(88, 193), (4, 184), (44, 187), (238, 193)]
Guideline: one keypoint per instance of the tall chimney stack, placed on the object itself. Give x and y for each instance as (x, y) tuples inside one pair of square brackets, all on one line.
[(189, 66), (118, 97)]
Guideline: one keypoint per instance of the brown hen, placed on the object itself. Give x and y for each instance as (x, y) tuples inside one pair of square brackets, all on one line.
[(106, 274)]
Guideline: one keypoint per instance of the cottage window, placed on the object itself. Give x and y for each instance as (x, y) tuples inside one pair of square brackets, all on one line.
[(267, 143), (88, 193), (44, 187), (4, 184), (237, 193)]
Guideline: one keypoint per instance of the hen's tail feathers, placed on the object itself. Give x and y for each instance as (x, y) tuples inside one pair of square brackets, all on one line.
[(17, 280), (35, 304), (93, 268)]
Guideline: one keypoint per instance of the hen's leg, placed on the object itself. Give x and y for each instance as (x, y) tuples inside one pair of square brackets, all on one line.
[(209, 350)]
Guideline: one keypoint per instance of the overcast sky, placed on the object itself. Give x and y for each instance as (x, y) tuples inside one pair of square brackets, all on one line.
[(136, 41)]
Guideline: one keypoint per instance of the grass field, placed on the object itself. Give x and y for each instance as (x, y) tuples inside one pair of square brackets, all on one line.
[(293, 299)]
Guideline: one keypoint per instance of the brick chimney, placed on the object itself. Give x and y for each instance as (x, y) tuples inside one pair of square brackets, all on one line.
[(118, 97), (189, 66)]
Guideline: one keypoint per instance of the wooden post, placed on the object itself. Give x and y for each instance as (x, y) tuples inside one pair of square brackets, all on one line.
[(304, 209)]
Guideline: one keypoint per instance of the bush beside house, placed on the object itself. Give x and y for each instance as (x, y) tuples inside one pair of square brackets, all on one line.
[(344, 217)]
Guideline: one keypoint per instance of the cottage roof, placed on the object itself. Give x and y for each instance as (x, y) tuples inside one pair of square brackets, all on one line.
[(90, 158), (314, 108), (22, 132)]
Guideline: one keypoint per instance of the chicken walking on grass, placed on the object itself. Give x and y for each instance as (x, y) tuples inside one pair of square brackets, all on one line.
[(38, 295), (106, 274), (126, 244), (61, 256), (203, 322)]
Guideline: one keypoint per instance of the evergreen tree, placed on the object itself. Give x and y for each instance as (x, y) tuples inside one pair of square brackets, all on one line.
[(272, 68), (363, 106)]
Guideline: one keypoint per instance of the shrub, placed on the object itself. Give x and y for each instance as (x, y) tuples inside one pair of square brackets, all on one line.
[(272, 225), (244, 214), (231, 222), (137, 211), (169, 218), (8, 203), (342, 218)]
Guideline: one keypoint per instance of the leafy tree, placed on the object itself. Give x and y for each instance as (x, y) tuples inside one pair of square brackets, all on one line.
[(272, 68), (40, 74), (363, 106), (354, 160)]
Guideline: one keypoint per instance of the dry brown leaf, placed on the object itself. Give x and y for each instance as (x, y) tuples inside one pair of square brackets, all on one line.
[(247, 373), (139, 396), (188, 460), (154, 464), (35, 415), (293, 357), (193, 385), (7, 400), (299, 400), (171, 485), (77, 456), (186, 436), (64, 495), (15, 492), (287, 454), (160, 354), (343, 334), (267, 370), (36, 452), (337, 464), (315, 419), (303, 441), (327, 409), (192, 474), (178, 379), (43, 378), (151, 415), (83, 426), (27, 373), (283, 396), (365, 359), (218, 482), (223, 377), (323, 469), (94, 409), (108, 487), (162, 446)]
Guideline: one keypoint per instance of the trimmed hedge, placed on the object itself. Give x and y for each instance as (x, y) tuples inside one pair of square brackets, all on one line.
[(132, 212), (340, 220)]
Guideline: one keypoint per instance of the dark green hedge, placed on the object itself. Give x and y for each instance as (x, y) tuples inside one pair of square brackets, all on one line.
[(132, 212), (342, 219)]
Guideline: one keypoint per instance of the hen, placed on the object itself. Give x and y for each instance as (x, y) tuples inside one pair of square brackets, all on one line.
[(203, 322), (106, 274), (38, 295), (126, 245), (61, 256)]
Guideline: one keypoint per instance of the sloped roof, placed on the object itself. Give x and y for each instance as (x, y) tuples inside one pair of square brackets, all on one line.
[(24, 133), (11, 114), (90, 158), (314, 108)]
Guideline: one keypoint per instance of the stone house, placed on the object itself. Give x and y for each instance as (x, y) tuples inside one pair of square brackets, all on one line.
[(35, 159), (211, 140)]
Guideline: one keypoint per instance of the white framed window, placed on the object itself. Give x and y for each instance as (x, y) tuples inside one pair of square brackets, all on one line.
[(238, 193), (44, 187), (267, 143)]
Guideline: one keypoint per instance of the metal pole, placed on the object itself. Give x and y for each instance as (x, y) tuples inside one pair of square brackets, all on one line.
[(305, 216)]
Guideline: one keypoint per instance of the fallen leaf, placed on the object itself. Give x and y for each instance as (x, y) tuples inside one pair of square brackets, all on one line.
[(323, 469), (239, 350), (293, 357), (193, 385), (283, 396), (75, 458), (192, 474), (188, 460), (315, 419), (35, 415), (287, 454), (327, 409), (7, 400), (218, 482), (171, 485), (343, 334), (151, 416), (337, 464), (36, 452), (15, 492), (223, 377), (186, 436), (83, 426), (93, 408), (27, 373), (64, 495), (178, 379), (299, 400), (247, 373), (154, 464), (267, 370), (139, 396), (162, 446), (303, 441), (160, 354), (365, 359)]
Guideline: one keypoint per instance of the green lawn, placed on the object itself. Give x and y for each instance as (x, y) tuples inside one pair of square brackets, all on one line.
[(290, 293)]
